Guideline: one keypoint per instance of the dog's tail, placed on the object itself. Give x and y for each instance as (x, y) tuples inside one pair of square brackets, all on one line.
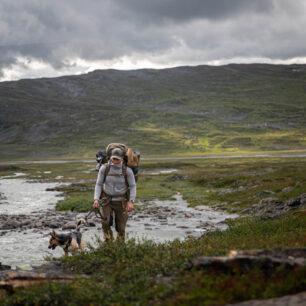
[(80, 223)]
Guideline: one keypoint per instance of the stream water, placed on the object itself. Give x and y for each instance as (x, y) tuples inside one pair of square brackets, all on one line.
[(159, 220)]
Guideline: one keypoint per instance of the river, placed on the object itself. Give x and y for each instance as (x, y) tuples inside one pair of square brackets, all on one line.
[(169, 220)]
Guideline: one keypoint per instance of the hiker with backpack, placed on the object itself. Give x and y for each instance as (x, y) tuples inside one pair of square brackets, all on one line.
[(116, 187)]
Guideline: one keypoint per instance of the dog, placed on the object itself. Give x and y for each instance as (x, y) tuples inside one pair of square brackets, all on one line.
[(69, 242)]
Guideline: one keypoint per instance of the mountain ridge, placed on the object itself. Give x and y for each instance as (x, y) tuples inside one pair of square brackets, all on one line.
[(194, 109)]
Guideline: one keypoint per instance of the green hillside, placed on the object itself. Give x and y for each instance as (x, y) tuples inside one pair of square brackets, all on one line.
[(193, 110)]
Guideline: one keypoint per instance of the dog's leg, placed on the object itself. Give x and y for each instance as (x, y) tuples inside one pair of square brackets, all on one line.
[(82, 246)]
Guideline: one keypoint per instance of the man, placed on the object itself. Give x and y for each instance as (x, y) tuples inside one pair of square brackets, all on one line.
[(117, 197)]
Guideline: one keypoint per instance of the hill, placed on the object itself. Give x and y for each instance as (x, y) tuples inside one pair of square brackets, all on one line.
[(203, 109)]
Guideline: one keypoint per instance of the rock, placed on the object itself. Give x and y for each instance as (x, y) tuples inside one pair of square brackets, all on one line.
[(2, 196), (266, 201), (287, 189), (225, 191), (91, 224), (207, 224), (218, 205), (10, 224), (247, 210), (53, 224), (297, 299), (243, 262), (69, 225), (38, 224), (188, 215), (25, 268), (202, 207), (294, 202), (303, 199), (264, 192), (4, 267), (39, 275), (26, 223)]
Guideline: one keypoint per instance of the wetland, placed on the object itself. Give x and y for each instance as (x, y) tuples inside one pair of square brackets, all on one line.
[(184, 209)]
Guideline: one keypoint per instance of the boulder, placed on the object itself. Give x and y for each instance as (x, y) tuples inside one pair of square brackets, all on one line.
[(243, 262), (287, 189), (264, 193)]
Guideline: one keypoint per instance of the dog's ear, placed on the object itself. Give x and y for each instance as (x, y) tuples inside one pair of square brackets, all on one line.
[(53, 234)]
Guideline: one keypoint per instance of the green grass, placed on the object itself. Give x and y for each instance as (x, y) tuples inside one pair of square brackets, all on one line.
[(145, 272), (131, 273), (200, 181), (203, 110)]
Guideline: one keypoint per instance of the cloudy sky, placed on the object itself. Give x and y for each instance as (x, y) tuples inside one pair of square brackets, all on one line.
[(49, 38)]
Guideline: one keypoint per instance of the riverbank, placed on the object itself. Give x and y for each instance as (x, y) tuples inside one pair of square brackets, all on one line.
[(25, 235), (160, 273), (150, 272)]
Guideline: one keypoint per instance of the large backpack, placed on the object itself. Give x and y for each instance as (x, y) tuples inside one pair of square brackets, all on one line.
[(131, 158)]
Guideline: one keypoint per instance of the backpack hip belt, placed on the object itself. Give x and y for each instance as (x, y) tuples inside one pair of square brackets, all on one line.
[(109, 199)]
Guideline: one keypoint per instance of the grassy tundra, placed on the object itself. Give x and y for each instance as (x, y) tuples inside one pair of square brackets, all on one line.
[(199, 110), (146, 272)]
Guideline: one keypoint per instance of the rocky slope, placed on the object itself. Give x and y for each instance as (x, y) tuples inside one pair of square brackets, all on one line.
[(198, 109)]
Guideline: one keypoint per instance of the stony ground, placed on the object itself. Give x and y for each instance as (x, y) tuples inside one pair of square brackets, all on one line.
[(298, 299)]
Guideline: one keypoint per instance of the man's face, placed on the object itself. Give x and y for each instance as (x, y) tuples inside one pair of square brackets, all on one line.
[(116, 161)]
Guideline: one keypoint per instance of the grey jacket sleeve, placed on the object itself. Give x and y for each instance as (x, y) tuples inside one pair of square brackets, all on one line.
[(99, 183), (132, 183)]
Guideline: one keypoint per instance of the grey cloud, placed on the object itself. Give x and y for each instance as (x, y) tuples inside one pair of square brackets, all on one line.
[(167, 30), (182, 10)]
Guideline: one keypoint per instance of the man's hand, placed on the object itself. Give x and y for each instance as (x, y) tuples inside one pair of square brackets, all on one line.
[(96, 204), (130, 206)]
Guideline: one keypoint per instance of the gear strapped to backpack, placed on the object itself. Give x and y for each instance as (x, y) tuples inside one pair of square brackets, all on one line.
[(131, 158)]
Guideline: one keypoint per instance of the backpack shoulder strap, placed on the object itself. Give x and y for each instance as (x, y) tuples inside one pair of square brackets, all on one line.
[(125, 174), (126, 181), (107, 168)]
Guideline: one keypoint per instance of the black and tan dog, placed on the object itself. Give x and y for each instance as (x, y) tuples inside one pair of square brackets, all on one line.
[(70, 241)]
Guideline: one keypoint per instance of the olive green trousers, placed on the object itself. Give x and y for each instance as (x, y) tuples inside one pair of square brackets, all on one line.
[(121, 217)]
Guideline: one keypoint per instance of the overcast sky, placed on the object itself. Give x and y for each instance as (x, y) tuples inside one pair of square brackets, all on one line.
[(57, 37)]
